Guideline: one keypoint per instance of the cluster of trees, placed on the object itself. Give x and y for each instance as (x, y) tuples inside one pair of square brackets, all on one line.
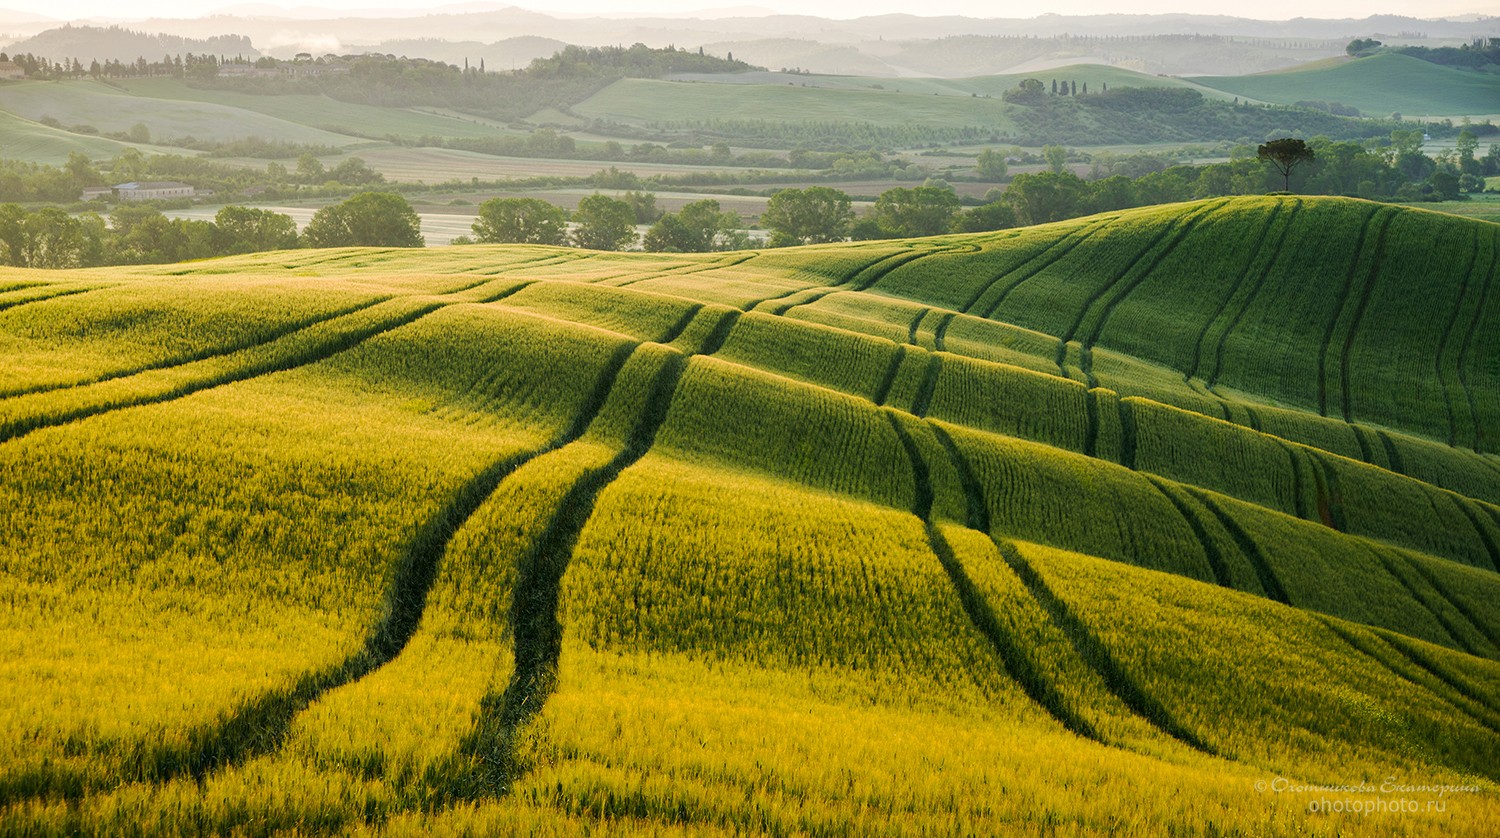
[(571, 75), (1133, 115), (142, 235), (186, 65), (602, 222)]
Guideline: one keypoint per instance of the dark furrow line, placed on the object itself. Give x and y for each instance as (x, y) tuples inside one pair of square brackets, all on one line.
[(490, 747), (863, 280), (1330, 496), (1211, 551), (521, 285), (1366, 292), (781, 310), (911, 328), (923, 399), (1127, 435), (215, 352), (6, 305), (684, 270), (1254, 291), (676, 329), (883, 391), (1254, 419), (974, 298), (1392, 454), (976, 510), (1268, 581), (1118, 296), (1098, 656), (540, 261), (1442, 349), (1406, 584), (260, 725), (1326, 344), (1359, 645), (1013, 658), (1463, 351), (1064, 246), (1366, 451), (1235, 287), (1091, 427), (1175, 226), (940, 333), (1299, 492), (18, 428), (715, 340), (1490, 547), (1490, 634), (1403, 644), (1086, 365)]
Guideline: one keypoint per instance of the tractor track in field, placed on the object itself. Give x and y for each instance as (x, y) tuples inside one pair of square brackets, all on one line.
[(1026, 673), (888, 380), (540, 261), (922, 401), (215, 352), (1215, 558), (675, 331), (1013, 657), (1451, 692), (1234, 289), (1466, 506), (1254, 290), (1044, 258), (487, 761), (1490, 633), (19, 427), (1403, 644), (940, 332), (687, 269), (1184, 228), (1326, 344), (321, 350), (8, 305), (1367, 290), (1263, 571), (1442, 349), (1392, 567), (1097, 655), (261, 724), (1463, 352), (872, 274)]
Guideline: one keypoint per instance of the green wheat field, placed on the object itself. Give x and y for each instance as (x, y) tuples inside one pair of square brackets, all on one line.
[(1173, 521)]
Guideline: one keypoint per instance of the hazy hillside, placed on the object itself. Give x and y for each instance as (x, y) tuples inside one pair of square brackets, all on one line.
[(1153, 522), (1377, 85), (116, 43)]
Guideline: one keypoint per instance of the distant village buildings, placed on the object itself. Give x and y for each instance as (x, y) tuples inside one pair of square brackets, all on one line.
[(149, 190)]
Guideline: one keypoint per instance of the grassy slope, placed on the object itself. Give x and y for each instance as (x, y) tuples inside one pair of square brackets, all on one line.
[(839, 539), (322, 112), (33, 142), (1376, 85), (648, 101), (1094, 75), (111, 109)]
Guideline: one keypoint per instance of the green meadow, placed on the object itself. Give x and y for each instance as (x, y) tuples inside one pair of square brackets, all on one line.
[(1180, 520), (1377, 85)]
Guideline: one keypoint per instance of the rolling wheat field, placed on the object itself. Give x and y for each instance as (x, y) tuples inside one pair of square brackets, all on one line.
[(1173, 521)]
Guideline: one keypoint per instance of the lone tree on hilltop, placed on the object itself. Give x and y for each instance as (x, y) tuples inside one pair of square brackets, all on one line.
[(1285, 154)]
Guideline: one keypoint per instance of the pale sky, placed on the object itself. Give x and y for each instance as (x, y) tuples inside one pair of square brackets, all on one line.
[(1264, 9)]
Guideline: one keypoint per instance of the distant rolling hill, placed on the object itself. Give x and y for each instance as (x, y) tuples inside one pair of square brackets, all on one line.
[(1377, 85), (117, 43), (1159, 521)]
